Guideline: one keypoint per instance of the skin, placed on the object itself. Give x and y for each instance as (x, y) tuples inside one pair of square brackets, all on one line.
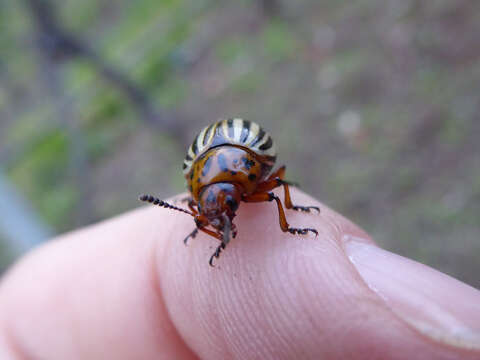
[(128, 288)]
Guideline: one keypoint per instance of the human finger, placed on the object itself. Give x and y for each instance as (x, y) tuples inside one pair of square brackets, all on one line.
[(273, 295), (91, 294)]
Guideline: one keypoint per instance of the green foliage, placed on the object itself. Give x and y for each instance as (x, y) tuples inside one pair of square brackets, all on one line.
[(42, 172), (57, 204), (247, 83), (278, 41), (106, 124), (80, 15), (171, 93), (47, 158), (106, 107), (231, 48)]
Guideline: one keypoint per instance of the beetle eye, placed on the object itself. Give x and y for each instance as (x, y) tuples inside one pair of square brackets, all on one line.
[(232, 203)]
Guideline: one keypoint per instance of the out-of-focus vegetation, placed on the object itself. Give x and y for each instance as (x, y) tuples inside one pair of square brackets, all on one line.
[(373, 104)]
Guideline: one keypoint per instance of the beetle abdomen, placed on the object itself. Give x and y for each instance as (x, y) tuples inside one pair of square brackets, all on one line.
[(238, 132)]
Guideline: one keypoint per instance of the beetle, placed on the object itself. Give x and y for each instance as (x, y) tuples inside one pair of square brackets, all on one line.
[(229, 162)]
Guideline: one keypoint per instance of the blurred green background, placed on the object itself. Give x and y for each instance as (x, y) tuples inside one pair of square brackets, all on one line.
[(374, 106)]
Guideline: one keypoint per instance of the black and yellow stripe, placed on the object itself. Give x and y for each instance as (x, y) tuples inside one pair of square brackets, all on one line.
[(231, 131)]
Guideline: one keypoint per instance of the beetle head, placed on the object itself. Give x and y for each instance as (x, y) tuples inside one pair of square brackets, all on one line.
[(218, 202)]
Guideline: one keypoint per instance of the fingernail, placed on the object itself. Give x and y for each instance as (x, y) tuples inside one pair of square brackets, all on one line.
[(435, 304)]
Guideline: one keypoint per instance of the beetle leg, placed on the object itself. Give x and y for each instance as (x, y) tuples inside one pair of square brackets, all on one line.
[(280, 174), (276, 180), (218, 236), (234, 230), (225, 236), (211, 233), (191, 235), (219, 249), (191, 205), (270, 196), (216, 254)]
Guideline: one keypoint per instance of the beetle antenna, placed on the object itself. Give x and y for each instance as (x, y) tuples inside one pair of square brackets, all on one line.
[(156, 201)]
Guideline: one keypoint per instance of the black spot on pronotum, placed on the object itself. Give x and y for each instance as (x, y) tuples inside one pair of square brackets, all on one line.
[(232, 203), (248, 163), (222, 162), (206, 166), (252, 177)]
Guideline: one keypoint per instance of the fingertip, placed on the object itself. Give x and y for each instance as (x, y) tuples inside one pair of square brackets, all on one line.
[(94, 294), (251, 290), (129, 288), (281, 296)]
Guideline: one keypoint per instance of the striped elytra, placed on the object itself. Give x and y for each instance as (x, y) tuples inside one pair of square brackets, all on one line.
[(237, 132)]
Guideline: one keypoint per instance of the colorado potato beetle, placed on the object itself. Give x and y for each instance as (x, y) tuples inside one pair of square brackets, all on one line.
[(229, 162)]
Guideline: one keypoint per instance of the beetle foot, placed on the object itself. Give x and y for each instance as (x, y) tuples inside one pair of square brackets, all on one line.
[(216, 254), (306, 208), (302, 231), (191, 235)]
